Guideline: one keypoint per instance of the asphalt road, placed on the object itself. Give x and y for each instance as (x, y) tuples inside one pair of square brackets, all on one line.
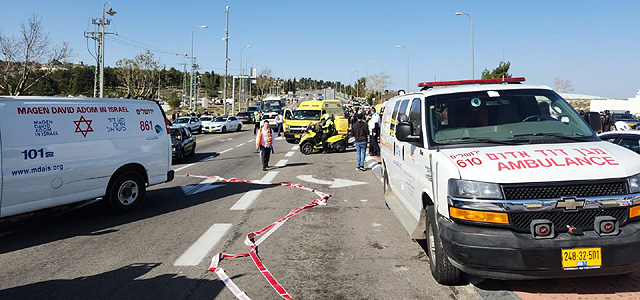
[(352, 248)]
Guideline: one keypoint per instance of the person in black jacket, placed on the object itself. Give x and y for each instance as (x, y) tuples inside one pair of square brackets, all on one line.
[(360, 131)]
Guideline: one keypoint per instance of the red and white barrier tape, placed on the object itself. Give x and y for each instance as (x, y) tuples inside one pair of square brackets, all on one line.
[(270, 229)]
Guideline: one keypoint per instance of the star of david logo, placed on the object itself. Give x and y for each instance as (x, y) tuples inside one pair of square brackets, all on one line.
[(83, 120)]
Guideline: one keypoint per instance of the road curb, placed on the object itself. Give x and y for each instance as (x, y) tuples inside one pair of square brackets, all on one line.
[(374, 166)]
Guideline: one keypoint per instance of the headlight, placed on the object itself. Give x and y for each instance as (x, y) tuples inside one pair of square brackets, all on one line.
[(634, 183), (475, 189), (287, 127)]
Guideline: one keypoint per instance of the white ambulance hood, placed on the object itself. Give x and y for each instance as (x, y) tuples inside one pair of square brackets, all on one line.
[(544, 162)]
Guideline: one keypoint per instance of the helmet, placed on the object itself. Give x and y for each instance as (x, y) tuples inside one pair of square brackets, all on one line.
[(324, 117)]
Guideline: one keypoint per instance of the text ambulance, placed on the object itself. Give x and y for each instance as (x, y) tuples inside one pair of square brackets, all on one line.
[(507, 181), (56, 151), (309, 112)]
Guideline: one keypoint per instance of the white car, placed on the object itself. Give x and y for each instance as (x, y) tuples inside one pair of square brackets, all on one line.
[(223, 124), (193, 123), (206, 123)]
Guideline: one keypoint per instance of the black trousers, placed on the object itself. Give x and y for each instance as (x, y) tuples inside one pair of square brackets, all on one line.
[(265, 154)]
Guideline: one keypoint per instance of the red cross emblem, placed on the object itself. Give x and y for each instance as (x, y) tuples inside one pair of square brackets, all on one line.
[(83, 120)]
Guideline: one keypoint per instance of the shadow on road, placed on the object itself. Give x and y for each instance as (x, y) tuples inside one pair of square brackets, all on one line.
[(120, 284), (95, 219)]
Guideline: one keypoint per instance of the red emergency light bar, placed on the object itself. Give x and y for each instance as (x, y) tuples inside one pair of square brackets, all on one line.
[(477, 81)]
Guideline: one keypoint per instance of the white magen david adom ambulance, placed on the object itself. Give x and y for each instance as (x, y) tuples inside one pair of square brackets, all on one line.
[(507, 181), (57, 151)]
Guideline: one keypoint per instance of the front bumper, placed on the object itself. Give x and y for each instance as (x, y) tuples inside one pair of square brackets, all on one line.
[(504, 254)]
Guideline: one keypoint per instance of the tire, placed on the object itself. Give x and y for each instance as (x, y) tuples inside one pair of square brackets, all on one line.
[(385, 182), (200, 129), (224, 129), (441, 268), (193, 151), (239, 128), (340, 146), (126, 192), (306, 148)]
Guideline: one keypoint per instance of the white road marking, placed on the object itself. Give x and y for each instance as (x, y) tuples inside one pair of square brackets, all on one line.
[(183, 167), (289, 154), (226, 140), (200, 187), (336, 183), (226, 150), (201, 248), (240, 145), (295, 148), (249, 141), (281, 163), (247, 199), (207, 158)]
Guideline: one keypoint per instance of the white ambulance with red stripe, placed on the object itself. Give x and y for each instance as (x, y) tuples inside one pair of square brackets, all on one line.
[(56, 151), (505, 180)]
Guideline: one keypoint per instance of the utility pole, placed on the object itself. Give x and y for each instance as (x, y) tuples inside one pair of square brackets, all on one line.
[(226, 62), (98, 36), (184, 83)]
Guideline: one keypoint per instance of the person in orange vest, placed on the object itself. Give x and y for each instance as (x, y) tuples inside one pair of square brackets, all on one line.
[(264, 143)]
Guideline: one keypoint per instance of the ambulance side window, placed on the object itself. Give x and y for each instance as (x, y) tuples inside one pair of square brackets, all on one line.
[(394, 115), (402, 112), (415, 117)]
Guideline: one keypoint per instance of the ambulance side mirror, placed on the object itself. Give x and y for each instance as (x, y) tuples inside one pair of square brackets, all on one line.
[(403, 133), (593, 120)]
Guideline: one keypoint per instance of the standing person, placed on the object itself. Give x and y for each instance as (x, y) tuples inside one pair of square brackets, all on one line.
[(256, 121), (374, 125), (327, 130), (360, 132), (279, 123), (264, 143)]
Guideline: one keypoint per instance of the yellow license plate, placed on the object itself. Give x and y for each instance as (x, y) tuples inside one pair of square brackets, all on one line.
[(297, 135), (581, 258)]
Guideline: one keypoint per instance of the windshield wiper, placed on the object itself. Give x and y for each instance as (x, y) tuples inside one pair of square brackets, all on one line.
[(551, 134), (477, 139)]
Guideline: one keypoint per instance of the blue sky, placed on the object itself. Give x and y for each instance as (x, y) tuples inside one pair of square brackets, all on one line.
[(594, 44)]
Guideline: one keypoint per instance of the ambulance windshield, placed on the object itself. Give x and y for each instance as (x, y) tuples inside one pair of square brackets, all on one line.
[(504, 116)]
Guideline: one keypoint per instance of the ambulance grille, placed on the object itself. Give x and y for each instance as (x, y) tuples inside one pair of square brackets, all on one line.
[(582, 219), (594, 189)]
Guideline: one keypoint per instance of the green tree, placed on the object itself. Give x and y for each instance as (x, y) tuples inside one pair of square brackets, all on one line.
[(139, 75), (502, 71)]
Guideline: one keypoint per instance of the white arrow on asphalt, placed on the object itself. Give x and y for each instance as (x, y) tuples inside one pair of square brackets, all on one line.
[(206, 185), (336, 183)]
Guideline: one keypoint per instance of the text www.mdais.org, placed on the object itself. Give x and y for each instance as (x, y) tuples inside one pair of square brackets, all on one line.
[(40, 169)]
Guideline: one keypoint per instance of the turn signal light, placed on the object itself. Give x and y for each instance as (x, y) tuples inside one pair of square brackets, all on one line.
[(634, 211), (479, 216)]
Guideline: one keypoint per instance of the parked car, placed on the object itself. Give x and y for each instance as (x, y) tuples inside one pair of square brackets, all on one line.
[(252, 109), (193, 123), (183, 143), (245, 116), (271, 117), (206, 122), (627, 139), (224, 124), (627, 118)]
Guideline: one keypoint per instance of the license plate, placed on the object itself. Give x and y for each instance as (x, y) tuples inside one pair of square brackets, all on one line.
[(581, 258), (297, 135)]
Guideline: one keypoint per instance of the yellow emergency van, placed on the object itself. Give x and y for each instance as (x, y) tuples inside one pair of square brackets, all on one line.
[(309, 112)]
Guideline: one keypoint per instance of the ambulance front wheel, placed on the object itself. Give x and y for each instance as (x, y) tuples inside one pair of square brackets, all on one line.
[(126, 192), (441, 268)]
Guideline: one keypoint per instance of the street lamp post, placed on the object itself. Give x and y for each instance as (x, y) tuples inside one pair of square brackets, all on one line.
[(226, 63), (473, 67), (191, 82), (241, 82), (400, 46), (111, 12)]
